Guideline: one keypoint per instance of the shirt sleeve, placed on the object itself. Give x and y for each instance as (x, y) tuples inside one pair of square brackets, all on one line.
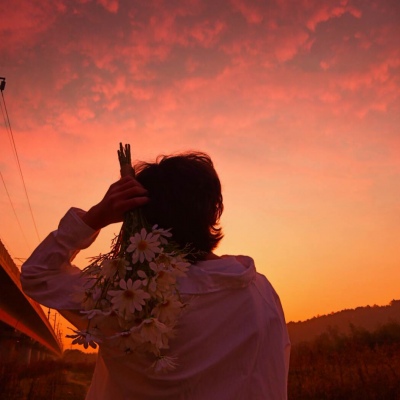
[(48, 275)]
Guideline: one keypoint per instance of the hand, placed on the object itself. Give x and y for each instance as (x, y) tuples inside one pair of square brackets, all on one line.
[(122, 196)]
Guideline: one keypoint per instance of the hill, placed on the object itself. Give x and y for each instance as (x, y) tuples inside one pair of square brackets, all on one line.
[(369, 317)]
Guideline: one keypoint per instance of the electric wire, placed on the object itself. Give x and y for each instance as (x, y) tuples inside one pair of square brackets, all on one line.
[(15, 213), (6, 189), (8, 194), (9, 135), (19, 166)]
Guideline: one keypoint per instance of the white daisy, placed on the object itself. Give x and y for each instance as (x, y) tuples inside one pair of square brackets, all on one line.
[(155, 332), (88, 298), (130, 298), (127, 340), (164, 364), (164, 278), (164, 233), (174, 263), (179, 266), (85, 338), (96, 313), (168, 310), (144, 246), (117, 265), (148, 281)]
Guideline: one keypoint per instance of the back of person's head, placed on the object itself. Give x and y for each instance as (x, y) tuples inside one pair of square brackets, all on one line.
[(185, 195)]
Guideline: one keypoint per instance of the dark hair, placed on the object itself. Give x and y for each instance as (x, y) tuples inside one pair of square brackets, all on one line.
[(185, 195)]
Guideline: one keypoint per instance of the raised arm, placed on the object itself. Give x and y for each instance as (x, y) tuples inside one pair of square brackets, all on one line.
[(48, 275)]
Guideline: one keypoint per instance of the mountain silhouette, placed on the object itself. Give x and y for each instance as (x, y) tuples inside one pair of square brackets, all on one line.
[(369, 318)]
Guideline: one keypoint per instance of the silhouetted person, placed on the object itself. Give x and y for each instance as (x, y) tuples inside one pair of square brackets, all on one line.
[(231, 340)]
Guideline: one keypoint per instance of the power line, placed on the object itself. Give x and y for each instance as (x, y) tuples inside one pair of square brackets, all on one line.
[(15, 213), (8, 123), (2, 86)]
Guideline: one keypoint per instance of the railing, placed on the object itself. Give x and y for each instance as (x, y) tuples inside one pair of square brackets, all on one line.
[(12, 269), (20, 311)]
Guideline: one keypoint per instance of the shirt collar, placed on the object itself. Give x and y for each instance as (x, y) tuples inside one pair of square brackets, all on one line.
[(227, 272)]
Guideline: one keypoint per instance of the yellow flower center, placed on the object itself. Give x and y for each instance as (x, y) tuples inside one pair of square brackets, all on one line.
[(142, 245), (128, 294)]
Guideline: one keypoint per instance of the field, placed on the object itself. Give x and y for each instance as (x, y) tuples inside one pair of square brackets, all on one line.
[(50, 380), (361, 365)]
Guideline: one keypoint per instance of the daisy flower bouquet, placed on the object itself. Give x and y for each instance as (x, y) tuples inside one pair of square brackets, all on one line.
[(132, 301)]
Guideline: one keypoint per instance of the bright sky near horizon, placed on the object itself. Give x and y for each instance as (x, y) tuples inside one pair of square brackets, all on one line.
[(296, 102)]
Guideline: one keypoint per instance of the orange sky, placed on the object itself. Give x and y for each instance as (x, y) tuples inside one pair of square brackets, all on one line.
[(296, 102)]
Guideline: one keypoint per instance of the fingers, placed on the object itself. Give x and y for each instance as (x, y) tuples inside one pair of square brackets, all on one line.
[(128, 182), (125, 192), (122, 196), (128, 186), (132, 203)]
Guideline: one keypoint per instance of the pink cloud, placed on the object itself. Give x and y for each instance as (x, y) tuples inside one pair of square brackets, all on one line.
[(326, 11), (365, 42), (191, 64), (207, 33), (330, 97), (169, 27), (152, 68), (374, 77), (289, 46), (324, 65), (110, 5), (23, 22), (250, 11)]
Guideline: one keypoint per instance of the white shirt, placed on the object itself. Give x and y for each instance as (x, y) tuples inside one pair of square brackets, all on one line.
[(231, 342)]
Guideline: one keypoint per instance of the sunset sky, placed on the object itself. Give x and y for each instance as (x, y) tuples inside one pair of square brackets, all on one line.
[(297, 103)]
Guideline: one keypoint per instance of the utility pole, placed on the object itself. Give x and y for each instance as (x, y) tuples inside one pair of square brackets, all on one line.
[(55, 319)]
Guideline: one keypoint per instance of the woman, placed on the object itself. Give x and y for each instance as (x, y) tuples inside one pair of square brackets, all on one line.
[(231, 340)]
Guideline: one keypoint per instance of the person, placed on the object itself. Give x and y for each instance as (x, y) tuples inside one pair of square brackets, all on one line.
[(231, 340)]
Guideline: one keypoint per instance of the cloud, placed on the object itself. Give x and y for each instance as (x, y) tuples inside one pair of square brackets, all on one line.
[(22, 23), (297, 104), (110, 5), (200, 68), (250, 11), (207, 33), (325, 11)]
